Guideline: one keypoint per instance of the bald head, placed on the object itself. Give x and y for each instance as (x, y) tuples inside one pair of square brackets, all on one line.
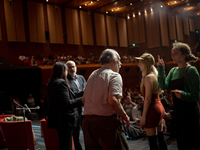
[(71, 65)]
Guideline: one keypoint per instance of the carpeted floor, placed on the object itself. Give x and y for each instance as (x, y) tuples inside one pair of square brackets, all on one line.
[(141, 144)]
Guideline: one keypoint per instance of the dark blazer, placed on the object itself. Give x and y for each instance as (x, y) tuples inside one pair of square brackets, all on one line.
[(62, 104), (82, 83)]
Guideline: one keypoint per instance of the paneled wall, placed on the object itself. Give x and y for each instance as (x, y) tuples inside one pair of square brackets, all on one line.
[(14, 20), (55, 24), (186, 26), (112, 31), (36, 22), (72, 26), (25, 26), (0, 32), (100, 29), (179, 28), (122, 30), (86, 28), (152, 28), (163, 28)]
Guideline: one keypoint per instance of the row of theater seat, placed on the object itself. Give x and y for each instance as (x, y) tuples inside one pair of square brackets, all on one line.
[(13, 135)]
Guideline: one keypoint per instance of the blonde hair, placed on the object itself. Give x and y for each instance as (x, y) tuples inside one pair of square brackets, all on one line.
[(148, 69)]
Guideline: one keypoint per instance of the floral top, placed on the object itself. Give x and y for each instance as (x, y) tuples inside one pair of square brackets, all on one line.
[(191, 81)]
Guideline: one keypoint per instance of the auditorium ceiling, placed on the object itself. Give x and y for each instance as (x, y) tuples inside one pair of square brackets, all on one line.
[(124, 8)]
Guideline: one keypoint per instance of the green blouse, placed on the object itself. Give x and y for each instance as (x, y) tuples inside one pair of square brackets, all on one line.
[(191, 83)]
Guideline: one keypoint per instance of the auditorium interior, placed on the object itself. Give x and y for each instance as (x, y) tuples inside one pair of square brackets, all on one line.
[(34, 34)]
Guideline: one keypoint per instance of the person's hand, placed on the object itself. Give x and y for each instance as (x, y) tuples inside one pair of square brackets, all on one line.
[(126, 119), (160, 61), (178, 93), (143, 121)]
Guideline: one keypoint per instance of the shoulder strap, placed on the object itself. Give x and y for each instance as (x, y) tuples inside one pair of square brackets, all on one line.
[(186, 70), (172, 73)]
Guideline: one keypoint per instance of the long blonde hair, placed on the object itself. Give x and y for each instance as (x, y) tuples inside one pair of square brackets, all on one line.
[(149, 68)]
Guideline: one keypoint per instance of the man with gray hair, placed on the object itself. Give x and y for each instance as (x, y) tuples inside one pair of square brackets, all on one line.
[(101, 126), (77, 83)]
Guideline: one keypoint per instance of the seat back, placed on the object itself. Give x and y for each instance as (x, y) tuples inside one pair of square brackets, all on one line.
[(2, 142), (51, 136), (14, 134)]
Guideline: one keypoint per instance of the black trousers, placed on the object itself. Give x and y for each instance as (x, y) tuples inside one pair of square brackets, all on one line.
[(65, 138)]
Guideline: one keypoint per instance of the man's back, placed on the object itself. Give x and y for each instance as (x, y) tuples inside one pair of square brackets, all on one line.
[(101, 83)]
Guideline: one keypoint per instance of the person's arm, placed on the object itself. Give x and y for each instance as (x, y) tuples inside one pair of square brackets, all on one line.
[(64, 98), (117, 107), (148, 95)]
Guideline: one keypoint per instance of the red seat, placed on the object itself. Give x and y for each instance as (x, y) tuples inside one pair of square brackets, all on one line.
[(2, 142), (51, 136), (14, 134)]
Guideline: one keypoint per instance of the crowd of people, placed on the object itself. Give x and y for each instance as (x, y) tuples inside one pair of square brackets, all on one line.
[(159, 103), (41, 60)]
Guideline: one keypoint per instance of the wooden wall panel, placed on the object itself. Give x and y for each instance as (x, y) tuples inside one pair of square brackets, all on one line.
[(152, 28), (40, 23), (141, 29), (32, 21), (59, 27), (130, 31), (72, 26), (136, 36), (172, 27), (55, 24), (19, 21), (0, 32), (36, 22), (100, 29), (10, 21), (164, 28), (197, 22), (192, 28), (69, 26), (186, 26), (112, 32), (51, 23), (179, 28), (86, 28), (122, 30)]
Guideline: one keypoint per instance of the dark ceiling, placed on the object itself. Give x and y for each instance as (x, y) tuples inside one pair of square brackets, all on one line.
[(124, 8)]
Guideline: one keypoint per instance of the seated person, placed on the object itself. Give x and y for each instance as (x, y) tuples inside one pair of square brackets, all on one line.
[(137, 110), (128, 106)]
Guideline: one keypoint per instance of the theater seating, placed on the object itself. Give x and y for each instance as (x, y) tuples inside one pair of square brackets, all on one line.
[(2, 142), (14, 134), (50, 136)]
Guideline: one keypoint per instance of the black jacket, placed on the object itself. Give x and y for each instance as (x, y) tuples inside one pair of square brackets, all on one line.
[(62, 105)]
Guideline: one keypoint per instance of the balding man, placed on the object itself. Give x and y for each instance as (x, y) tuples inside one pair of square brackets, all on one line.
[(101, 126), (77, 83)]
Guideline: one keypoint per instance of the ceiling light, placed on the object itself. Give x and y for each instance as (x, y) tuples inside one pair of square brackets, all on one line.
[(139, 13), (145, 11), (128, 17), (174, 1), (47, 0), (133, 15), (80, 6), (161, 6), (91, 2), (112, 10), (130, 3), (97, 0), (168, 4), (151, 9), (107, 12)]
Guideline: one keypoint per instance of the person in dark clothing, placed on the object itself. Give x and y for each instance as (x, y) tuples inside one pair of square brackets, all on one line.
[(77, 83), (62, 106), (183, 80)]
